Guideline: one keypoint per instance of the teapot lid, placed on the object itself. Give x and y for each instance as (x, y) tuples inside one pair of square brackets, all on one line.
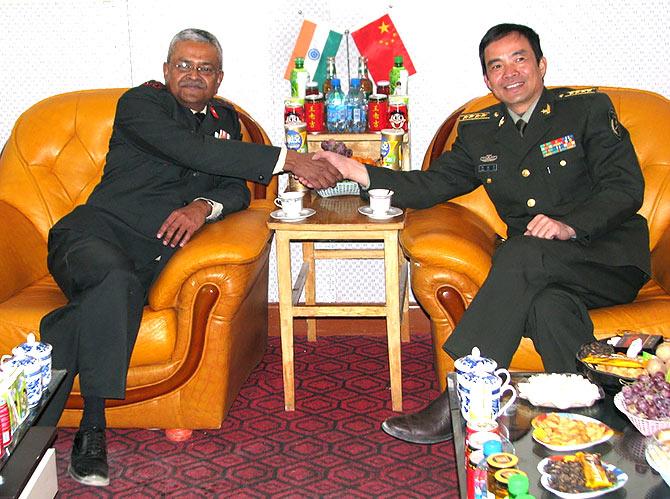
[(475, 361)]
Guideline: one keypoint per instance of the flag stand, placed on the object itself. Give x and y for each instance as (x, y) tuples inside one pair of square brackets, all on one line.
[(346, 41)]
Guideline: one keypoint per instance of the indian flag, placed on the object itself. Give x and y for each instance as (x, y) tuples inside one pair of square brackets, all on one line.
[(315, 43)]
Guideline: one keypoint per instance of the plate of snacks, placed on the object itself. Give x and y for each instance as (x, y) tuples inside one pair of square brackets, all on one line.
[(580, 476), (620, 360), (657, 454), (561, 391), (563, 431)]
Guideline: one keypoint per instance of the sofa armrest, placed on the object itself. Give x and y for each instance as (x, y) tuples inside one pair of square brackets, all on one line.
[(660, 262), (239, 238), (23, 252), (451, 237)]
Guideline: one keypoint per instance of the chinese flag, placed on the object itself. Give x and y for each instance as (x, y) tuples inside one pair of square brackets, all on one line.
[(380, 43)]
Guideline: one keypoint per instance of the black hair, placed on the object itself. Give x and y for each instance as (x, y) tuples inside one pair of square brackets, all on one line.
[(501, 30)]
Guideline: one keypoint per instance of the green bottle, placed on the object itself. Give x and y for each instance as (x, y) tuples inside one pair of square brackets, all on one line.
[(517, 486), (398, 77), (299, 78)]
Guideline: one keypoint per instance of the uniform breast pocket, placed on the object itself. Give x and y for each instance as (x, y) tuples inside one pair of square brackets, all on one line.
[(568, 174), (499, 182)]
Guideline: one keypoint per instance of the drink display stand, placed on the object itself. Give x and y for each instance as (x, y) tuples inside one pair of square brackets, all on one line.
[(26, 458)]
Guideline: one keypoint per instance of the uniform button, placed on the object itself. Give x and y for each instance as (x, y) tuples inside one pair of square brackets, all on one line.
[(488, 180), (525, 172), (195, 174), (261, 177), (530, 203), (563, 162)]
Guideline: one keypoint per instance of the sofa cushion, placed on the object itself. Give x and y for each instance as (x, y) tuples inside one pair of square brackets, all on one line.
[(22, 313)]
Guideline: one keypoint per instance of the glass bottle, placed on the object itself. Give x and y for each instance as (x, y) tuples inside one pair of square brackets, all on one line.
[(331, 72), (299, 78), (398, 77), (363, 76), (336, 109)]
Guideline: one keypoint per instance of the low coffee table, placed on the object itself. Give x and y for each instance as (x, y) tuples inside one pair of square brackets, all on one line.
[(625, 449)]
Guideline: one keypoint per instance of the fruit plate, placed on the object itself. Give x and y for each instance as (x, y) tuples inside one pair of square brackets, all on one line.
[(539, 435), (659, 459), (645, 426), (545, 480)]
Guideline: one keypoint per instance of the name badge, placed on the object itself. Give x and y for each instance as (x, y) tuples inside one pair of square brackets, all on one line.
[(488, 168), (558, 145)]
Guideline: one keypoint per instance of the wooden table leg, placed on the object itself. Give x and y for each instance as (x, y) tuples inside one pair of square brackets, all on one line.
[(310, 286), (284, 284), (391, 267)]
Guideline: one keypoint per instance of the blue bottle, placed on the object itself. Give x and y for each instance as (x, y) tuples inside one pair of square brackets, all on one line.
[(336, 109), (356, 108)]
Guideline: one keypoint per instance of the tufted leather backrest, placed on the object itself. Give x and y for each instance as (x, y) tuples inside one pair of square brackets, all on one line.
[(645, 114), (56, 154)]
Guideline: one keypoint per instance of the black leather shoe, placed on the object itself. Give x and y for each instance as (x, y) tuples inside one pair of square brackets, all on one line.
[(431, 425), (88, 463)]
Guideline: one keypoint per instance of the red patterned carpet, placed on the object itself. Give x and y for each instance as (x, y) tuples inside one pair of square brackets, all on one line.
[(331, 446)]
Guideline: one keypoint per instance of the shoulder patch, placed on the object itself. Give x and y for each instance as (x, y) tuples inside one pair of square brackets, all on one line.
[(481, 116), (579, 91), (153, 84)]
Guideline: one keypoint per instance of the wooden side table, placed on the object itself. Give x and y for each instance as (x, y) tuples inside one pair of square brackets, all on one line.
[(338, 219)]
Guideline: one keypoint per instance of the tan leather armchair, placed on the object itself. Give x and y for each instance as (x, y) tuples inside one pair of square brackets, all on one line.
[(450, 245), (205, 326)]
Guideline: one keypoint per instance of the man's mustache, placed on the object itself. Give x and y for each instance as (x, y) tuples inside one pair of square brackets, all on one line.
[(192, 83)]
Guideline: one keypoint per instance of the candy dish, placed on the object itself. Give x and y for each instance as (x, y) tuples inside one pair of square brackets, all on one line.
[(545, 480), (390, 213), (539, 434), (659, 459), (561, 391), (281, 215)]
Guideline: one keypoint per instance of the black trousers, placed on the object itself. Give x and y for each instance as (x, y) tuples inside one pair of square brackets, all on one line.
[(541, 289), (94, 334)]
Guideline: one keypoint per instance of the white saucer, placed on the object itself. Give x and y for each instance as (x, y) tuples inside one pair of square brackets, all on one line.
[(390, 213), (304, 213)]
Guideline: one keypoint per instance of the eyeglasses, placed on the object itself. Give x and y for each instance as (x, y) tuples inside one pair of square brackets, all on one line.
[(187, 67)]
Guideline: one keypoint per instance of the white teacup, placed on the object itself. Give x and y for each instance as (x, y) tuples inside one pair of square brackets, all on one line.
[(291, 203), (380, 200), (32, 371), (480, 396)]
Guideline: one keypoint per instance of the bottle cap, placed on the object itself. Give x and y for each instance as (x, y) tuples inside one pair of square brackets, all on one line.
[(335, 82), (397, 59), (492, 447), (299, 62), (518, 484), (355, 82)]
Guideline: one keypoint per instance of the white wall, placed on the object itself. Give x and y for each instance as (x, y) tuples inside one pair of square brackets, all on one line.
[(49, 47)]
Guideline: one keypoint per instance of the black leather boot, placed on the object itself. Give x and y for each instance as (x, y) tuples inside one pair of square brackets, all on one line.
[(428, 426)]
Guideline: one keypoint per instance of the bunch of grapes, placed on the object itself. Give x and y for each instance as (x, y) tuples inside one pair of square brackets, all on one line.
[(648, 397), (337, 147)]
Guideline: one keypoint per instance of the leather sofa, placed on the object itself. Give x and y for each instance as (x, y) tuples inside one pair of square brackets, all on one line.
[(205, 325), (450, 245)]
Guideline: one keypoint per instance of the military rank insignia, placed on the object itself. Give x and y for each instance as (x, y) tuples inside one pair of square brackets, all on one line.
[(474, 116), (153, 84), (558, 145)]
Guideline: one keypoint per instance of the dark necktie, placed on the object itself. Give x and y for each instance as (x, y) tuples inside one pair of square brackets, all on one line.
[(521, 126), (200, 117)]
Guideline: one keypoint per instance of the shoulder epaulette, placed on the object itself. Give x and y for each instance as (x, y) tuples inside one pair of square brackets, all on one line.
[(479, 116), (153, 84), (579, 91)]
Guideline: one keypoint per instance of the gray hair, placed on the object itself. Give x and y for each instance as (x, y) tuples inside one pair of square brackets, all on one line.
[(196, 35)]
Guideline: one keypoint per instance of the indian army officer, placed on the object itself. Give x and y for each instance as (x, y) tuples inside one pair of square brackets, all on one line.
[(563, 175)]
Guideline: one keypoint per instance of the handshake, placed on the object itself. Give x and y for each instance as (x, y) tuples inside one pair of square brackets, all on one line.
[(324, 169)]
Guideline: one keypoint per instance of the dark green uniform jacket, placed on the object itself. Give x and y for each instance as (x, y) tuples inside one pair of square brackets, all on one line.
[(575, 163)]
